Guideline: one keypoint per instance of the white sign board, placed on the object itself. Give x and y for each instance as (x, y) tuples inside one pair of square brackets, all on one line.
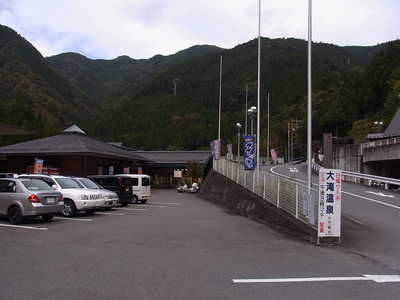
[(329, 202)]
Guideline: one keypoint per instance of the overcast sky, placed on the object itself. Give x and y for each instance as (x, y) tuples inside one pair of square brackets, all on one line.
[(143, 28)]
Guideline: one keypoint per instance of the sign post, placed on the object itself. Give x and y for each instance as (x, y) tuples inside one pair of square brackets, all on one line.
[(329, 203)]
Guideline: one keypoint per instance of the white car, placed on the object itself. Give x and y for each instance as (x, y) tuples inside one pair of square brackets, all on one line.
[(76, 198), (110, 198)]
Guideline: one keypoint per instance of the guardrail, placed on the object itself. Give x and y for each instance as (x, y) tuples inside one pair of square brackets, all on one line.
[(379, 143), (286, 194), (357, 177)]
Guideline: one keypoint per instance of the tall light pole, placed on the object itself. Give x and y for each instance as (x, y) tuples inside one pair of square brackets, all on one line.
[(258, 87), (220, 98), (378, 125), (268, 134), (251, 112), (238, 125), (309, 100), (245, 123)]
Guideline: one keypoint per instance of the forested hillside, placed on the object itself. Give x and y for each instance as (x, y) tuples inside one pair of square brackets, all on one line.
[(171, 102), (35, 96), (155, 117), (106, 81)]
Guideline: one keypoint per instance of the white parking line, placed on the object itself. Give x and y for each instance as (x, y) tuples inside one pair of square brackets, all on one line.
[(73, 219), (108, 213), (132, 208), (376, 278), (168, 203), (153, 205), (24, 227)]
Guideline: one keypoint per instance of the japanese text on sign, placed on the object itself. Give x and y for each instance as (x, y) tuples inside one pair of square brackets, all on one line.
[(329, 203), (249, 152)]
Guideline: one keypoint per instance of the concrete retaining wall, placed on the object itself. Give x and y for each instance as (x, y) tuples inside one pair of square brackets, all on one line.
[(227, 193), (348, 158)]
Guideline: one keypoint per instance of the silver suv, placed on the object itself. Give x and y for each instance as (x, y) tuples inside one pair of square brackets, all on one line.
[(110, 198), (76, 198)]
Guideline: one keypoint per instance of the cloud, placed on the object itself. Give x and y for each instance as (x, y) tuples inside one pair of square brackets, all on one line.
[(141, 29)]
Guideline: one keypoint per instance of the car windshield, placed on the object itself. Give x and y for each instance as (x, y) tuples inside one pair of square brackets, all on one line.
[(36, 185), (89, 184), (68, 183)]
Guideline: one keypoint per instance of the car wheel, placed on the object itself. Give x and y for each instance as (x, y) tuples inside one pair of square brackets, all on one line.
[(47, 217), (69, 209), (14, 215), (90, 211), (135, 200)]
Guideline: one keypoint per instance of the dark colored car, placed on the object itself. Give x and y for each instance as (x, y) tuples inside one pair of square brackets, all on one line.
[(120, 184)]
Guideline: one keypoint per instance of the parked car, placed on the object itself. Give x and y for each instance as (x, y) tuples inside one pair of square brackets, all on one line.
[(76, 198), (110, 198), (120, 184), (20, 198), (140, 187), (7, 175)]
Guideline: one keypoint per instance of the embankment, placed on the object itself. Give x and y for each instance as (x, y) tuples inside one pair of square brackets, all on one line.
[(227, 193)]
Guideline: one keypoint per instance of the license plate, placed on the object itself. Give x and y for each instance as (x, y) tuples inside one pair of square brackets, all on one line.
[(51, 200)]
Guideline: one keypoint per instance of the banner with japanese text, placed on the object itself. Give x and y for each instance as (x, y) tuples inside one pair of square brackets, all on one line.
[(38, 166), (329, 203), (217, 149), (274, 155), (230, 152), (212, 149), (249, 156)]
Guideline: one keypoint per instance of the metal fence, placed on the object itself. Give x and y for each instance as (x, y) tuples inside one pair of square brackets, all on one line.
[(284, 193)]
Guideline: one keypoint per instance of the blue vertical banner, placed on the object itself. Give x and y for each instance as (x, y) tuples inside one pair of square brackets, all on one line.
[(212, 149), (249, 150)]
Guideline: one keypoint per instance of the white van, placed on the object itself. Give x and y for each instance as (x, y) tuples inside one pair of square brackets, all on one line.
[(140, 187)]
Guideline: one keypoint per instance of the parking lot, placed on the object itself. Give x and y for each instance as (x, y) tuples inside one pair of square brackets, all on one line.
[(176, 246)]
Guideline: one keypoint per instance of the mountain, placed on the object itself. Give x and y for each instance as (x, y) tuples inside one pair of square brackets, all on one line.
[(34, 95), (172, 102), (106, 81), (158, 117)]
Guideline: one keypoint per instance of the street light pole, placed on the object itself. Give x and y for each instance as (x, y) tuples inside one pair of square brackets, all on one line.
[(258, 88), (238, 125), (378, 125), (309, 99), (251, 112), (220, 98), (268, 151)]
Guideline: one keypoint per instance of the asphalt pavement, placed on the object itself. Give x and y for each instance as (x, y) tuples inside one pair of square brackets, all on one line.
[(178, 246)]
